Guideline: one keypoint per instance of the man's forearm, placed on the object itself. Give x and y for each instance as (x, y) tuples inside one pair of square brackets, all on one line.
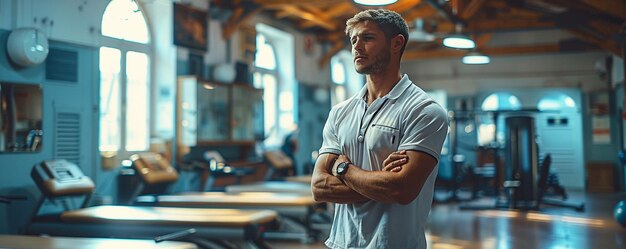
[(381, 186), (329, 188)]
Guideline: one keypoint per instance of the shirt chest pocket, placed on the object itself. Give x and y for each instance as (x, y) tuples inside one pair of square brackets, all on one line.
[(384, 138)]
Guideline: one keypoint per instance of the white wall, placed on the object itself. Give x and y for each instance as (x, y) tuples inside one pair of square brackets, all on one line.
[(159, 16), (554, 70), (75, 21)]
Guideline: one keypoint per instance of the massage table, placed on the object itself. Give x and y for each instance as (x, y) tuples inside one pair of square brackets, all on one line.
[(39, 242), (208, 227), (294, 209)]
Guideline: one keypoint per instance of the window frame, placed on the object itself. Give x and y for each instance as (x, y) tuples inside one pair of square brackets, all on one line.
[(126, 46)]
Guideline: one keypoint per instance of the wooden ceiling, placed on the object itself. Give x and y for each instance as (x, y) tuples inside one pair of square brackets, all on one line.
[(593, 24)]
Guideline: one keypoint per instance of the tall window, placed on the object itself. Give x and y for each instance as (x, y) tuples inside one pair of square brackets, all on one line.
[(124, 79), (274, 73), (265, 77), (338, 75)]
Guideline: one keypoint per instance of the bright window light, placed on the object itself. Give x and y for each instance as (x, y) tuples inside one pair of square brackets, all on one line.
[(265, 57), (122, 19)]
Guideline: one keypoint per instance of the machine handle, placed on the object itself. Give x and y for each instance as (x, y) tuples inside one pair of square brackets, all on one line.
[(175, 235)]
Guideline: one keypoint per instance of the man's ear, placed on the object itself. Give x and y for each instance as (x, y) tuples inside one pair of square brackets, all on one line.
[(397, 42)]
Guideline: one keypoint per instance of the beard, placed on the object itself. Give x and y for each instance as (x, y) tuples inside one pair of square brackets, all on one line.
[(380, 63)]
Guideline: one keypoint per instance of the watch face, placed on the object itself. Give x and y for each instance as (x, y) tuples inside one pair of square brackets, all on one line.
[(342, 167)]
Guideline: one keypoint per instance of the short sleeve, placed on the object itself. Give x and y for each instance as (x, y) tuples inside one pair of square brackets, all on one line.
[(425, 130), (330, 143)]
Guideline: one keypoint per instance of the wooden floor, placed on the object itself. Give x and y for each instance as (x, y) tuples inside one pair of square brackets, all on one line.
[(550, 228)]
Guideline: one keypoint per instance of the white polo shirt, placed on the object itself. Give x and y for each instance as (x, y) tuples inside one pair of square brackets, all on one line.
[(405, 119)]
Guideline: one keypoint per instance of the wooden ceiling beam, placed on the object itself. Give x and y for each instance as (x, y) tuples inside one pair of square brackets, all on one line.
[(421, 11), (606, 44), (450, 15), (481, 40), (615, 8), (340, 9), (320, 16), (471, 9), (308, 16), (401, 6), (498, 25), (240, 16), (485, 25), (606, 28)]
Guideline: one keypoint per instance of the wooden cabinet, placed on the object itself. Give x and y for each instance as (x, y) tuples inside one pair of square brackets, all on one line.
[(212, 112)]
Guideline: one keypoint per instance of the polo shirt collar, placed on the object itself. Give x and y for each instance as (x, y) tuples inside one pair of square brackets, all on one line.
[(399, 88), (395, 93)]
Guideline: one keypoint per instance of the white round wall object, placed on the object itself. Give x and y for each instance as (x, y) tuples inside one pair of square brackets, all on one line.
[(27, 46), (224, 73)]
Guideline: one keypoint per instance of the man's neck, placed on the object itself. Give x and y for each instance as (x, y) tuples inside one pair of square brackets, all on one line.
[(378, 85)]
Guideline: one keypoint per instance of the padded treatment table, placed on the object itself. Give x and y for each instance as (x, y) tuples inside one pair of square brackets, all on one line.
[(30, 242), (212, 227), (150, 222), (271, 186), (295, 209)]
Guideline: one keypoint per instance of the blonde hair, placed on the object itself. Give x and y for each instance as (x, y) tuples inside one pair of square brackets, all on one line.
[(390, 22)]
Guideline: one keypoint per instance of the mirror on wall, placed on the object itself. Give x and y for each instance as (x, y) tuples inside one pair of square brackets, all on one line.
[(21, 110)]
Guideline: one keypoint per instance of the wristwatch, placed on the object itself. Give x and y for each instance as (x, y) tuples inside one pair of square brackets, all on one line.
[(342, 168)]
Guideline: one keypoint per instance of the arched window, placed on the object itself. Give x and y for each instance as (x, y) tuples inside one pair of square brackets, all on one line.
[(124, 79), (273, 72), (123, 20), (557, 102), (346, 81), (265, 57), (499, 101)]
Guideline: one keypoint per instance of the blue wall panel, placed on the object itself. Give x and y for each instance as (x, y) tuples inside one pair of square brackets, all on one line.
[(80, 96)]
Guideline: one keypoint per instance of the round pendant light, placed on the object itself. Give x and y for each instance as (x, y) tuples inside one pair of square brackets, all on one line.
[(459, 41), (375, 2), (476, 58)]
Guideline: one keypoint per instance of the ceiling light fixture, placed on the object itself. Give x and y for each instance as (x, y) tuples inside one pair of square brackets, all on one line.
[(208, 86), (475, 58), (458, 40), (375, 2)]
